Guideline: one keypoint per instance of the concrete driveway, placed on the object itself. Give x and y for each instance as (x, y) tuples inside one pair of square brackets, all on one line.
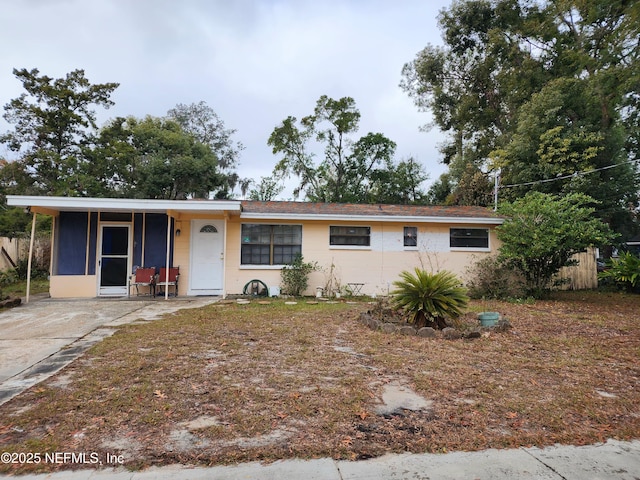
[(40, 338)]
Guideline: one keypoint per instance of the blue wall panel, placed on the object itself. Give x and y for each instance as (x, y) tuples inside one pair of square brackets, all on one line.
[(72, 243), (155, 244)]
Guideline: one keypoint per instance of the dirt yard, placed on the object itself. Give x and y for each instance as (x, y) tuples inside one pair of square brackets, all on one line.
[(232, 383)]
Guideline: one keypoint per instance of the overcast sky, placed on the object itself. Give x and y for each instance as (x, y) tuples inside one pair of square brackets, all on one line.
[(253, 61)]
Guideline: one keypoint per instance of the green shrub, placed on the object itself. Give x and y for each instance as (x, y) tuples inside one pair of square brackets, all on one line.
[(542, 232), (490, 278), (9, 277), (428, 299), (37, 270), (624, 271), (295, 276)]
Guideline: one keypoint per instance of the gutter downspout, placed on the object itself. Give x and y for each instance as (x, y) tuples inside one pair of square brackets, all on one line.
[(33, 234)]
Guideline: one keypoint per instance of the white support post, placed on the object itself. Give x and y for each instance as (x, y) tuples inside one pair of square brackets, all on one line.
[(166, 286), (144, 235), (86, 255), (54, 220), (33, 234)]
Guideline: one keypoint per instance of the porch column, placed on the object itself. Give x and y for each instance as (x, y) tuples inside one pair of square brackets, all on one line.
[(166, 288), (224, 255), (33, 234)]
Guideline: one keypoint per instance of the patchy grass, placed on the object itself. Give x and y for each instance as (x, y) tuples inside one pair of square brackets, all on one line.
[(231, 383), (19, 289)]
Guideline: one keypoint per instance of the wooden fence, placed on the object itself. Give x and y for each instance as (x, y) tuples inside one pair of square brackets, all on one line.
[(583, 276), (12, 250)]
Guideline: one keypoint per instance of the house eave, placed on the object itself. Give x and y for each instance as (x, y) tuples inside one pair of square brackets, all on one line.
[(52, 205), (69, 204), (372, 218)]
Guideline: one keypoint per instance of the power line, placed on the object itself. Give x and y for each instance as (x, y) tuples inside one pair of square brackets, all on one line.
[(497, 185), (564, 177)]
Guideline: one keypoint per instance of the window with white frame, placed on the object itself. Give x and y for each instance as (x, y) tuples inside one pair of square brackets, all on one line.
[(349, 236), (473, 238), (410, 236), (270, 244)]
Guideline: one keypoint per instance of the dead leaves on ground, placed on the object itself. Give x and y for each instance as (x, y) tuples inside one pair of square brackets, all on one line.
[(159, 394), (278, 387)]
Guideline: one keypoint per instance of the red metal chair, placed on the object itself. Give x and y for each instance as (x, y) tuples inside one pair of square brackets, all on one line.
[(145, 277), (174, 276)]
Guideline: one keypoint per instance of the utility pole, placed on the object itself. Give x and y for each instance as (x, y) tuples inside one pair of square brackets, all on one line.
[(496, 186)]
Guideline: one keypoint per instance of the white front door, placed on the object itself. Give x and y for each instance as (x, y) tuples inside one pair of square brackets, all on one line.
[(207, 257), (113, 262)]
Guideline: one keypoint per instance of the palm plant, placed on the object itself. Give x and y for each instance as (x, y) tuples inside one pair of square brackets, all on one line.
[(428, 298), (624, 271)]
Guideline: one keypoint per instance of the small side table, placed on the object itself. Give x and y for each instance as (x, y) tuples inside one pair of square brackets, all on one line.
[(356, 288)]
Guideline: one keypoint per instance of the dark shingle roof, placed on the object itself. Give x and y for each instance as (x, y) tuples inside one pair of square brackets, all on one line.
[(352, 209)]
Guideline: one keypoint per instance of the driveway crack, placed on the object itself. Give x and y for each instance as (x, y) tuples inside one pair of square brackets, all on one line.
[(528, 451)]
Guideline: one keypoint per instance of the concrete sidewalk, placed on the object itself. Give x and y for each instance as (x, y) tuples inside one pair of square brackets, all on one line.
[(612, 460)]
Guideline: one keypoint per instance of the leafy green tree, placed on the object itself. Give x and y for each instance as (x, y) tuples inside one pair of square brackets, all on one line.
[(430, 298), (14, 222), (560, 133), (112, 165), (352, 170), (266, 190), (201, 121), (538, 89), (154, 158), (440, 191), (474, 84), (473, 188), (15, 179), (399, 183), (542, 232), (53, 122)]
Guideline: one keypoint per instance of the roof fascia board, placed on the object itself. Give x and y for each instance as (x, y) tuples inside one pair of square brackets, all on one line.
[(121, 204), (372, 218), (44, 211)]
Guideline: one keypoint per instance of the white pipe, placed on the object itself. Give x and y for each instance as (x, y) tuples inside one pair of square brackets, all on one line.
[(166, 286), (33, 234)]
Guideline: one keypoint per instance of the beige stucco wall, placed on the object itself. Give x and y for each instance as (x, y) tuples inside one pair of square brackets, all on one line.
[(377, 267), (181, 252), (73, 286)]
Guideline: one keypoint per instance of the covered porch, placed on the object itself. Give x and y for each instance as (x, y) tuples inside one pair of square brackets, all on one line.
[(97, 243)]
